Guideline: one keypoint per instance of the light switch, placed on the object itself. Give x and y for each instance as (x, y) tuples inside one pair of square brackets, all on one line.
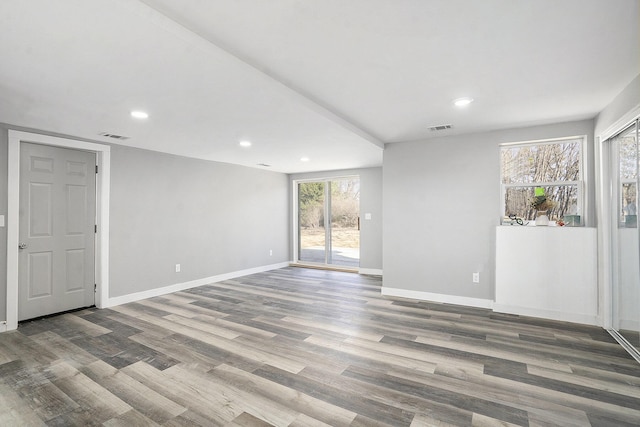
[(367, 216)]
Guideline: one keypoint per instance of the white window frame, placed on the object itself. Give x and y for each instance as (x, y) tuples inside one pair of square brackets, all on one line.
[(580, 183)]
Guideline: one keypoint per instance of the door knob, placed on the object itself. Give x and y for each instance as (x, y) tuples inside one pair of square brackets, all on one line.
[(22, 246)]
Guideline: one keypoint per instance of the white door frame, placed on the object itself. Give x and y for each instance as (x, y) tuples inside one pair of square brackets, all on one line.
[(604, 214), (296, 229), (103, 158)]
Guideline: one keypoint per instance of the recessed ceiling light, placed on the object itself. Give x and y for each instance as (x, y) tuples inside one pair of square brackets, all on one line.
[(139, 114), (462, 102), (304, 159), (245, 144)]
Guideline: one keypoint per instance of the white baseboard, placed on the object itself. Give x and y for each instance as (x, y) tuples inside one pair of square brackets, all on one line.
[(428, 296), (137, 296), (585, 319), (370, 271)]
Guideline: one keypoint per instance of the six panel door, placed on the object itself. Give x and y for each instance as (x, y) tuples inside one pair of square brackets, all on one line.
[(57, 230)]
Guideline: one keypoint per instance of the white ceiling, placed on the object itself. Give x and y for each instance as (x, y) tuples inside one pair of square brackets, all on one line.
[(332, 80)]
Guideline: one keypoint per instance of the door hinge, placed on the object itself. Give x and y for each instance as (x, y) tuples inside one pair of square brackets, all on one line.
[(96, 168), (95, 228), (95, 287)]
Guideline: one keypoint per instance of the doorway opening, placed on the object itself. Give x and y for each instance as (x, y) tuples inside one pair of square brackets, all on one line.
[(328, 223), (16, 138)]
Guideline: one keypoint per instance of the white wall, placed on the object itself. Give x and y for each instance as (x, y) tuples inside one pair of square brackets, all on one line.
[(441, 207), (547, 272), (621, 110), (628, 296), (212, 218)]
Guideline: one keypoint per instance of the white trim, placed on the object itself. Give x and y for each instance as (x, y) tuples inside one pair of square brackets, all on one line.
[(633, 352), (604, 212), (103, 184), (13, 207), (605, 283), (294, 215), (13, 213), (543, 184), (442, 298), (543, 141), (137, 296), (548, 314), (327, 179), (619, 125), (370, 271), (489, 304)]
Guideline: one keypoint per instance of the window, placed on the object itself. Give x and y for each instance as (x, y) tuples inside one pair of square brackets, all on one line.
[(554, 165)]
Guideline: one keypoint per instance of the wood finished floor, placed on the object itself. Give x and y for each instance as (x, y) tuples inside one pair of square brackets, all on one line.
[(299, 347)]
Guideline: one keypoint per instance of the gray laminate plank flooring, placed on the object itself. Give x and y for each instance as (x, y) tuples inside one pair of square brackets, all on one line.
[(301, 347)]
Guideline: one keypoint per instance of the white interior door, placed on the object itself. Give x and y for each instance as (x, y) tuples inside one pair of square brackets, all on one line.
[(56, 261)]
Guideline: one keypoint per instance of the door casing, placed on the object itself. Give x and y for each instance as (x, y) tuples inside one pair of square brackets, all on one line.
[(103, 155), (296, 230), (57, 261)]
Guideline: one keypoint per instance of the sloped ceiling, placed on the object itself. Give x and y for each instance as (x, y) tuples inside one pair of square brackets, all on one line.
[(330, 80)]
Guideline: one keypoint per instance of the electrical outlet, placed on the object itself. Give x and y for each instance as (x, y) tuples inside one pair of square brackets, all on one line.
[(476, 277), (177, 268), (270, 252)]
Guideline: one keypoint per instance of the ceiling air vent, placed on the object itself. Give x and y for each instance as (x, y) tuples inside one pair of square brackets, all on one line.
[(264, 164), (114, 136), (439, 127)]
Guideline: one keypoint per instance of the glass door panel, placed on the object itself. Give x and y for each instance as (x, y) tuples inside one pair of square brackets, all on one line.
[(329, 222), (626, 289), (344, 240), (311, 228)]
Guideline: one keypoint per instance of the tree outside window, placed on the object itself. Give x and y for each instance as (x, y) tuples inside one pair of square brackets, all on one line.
[(554, 165)]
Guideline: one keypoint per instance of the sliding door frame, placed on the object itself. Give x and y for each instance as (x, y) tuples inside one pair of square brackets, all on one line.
[(606, 219), (327, 214)]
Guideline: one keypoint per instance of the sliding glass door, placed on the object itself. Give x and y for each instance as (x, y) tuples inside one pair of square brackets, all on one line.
[(625, 236), (311, 220), (329, 222)]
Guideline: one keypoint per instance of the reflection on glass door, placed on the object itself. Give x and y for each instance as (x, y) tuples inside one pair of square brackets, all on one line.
[(344, 241), (626, 245), (329, 222), (311, 231)]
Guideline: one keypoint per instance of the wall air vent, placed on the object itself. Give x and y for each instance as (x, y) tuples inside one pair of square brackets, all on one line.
[(439, 127), (114, 136)]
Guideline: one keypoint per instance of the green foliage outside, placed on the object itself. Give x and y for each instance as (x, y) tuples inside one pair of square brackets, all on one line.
[(345, 206)]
